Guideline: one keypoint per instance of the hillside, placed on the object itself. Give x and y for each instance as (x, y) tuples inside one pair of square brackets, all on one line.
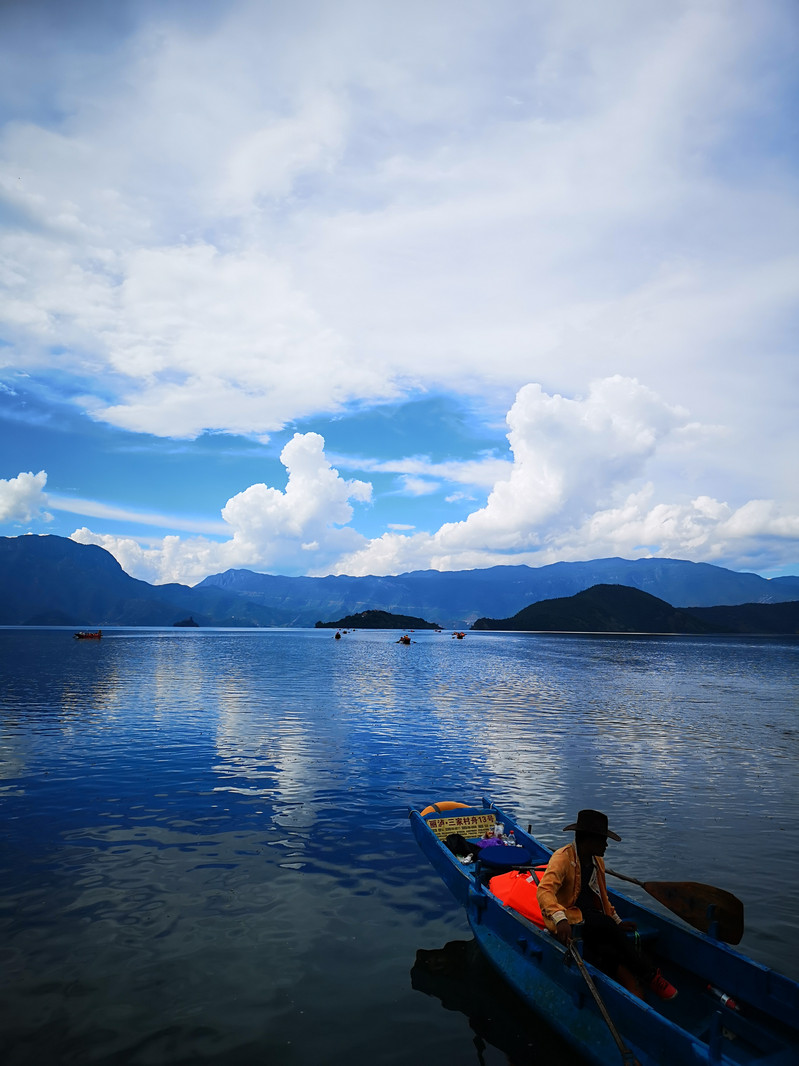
[(378, 620), (54, 581), (619, 609), (602, 609), (763, 618)]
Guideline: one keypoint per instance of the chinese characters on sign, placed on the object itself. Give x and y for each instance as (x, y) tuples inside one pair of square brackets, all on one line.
[(468, 825)]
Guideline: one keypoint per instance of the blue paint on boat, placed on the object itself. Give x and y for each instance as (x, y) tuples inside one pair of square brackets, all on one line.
[(695, 1028)]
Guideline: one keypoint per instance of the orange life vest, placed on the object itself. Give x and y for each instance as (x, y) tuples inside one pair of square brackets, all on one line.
[(519, 889)]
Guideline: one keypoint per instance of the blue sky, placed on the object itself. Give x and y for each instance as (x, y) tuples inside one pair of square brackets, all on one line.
[(368, 288)]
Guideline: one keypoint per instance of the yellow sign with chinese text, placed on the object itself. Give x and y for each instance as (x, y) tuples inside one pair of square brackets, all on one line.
[(468, 825)]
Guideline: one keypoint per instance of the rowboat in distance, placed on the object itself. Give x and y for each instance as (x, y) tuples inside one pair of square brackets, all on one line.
[(89, 636), (730, 1011)]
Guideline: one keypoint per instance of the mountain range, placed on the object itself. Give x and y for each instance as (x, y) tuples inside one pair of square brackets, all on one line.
[(458, 598), (48, 580)]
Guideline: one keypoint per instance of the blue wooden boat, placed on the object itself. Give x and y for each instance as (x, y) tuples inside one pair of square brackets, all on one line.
[(730, 1011)]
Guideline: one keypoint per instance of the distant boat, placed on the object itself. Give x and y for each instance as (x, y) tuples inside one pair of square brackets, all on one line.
[(187, 623), (89, 636)]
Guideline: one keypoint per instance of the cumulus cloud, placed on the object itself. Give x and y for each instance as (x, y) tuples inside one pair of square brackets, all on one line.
[(314, 507), (576, 488), (568, 494), (23, 499), (758, 535), (305, 526)]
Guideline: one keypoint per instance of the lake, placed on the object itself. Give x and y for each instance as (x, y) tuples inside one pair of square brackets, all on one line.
[(206, 856)]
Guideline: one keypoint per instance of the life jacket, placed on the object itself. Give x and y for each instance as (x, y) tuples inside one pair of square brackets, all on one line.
[(519, 889)]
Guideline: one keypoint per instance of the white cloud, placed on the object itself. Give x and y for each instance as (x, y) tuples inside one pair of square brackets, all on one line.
[(418, 486), (569, 456), (484, 472), (572, 460), (266, 162), (23, 499), (241, 217), (97, 509), (305, 526), (316, 499), (264, 215), (578, 489)]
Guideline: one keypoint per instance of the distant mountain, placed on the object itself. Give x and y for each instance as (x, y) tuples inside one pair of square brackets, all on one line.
[(457, 598), (602, 609), (54, 581), (788, 587), (378, 620)]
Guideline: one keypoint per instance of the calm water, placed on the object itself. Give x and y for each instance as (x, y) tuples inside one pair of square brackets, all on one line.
[(205, 854)]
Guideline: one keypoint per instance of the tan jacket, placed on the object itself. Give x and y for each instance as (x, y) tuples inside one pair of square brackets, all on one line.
[(560, 887)]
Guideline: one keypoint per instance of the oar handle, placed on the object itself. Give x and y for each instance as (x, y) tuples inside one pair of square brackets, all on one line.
[(627, 1056), (624, 877)]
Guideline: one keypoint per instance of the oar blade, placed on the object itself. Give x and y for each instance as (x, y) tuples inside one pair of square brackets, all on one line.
[(702, 906)]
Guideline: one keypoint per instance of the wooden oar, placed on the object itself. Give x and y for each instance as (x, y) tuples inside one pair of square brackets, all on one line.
[(627, 1056), (705, 907)]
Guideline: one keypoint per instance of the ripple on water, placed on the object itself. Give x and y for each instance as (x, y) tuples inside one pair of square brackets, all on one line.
[(207, 854)]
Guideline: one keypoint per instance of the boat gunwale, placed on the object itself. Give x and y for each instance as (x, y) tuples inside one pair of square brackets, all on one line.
[(755, 984)]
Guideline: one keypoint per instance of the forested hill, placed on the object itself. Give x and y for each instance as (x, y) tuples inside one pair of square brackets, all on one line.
[(619, 609), (378, 620)]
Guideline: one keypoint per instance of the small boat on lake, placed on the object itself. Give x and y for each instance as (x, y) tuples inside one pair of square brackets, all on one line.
[(731, 1010), (89, 636)]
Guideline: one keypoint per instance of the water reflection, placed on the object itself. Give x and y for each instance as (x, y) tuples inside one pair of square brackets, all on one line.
[(459, 975), (214, 824)]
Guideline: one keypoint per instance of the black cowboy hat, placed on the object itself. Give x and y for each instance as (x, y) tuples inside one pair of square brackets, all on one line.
[(592, 822)]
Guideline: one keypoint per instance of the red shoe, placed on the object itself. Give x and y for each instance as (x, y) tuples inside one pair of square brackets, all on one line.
[(661, 987)]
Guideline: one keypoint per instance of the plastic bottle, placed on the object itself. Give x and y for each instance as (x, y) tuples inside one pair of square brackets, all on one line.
[(725, 1000), (512, 838)]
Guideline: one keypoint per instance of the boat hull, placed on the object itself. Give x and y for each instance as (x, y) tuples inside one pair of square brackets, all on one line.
[(694, 1028)]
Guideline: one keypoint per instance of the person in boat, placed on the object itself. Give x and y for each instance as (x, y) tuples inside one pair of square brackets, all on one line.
[(572, 890)]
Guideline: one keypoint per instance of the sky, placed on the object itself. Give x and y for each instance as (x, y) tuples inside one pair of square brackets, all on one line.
[(365, 288)]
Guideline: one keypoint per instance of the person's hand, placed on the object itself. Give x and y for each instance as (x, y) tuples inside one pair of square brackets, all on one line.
[(563, 932), (628, 927)]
